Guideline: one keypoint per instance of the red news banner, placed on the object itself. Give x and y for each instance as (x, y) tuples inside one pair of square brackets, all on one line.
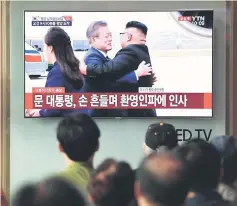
[(51, 98)]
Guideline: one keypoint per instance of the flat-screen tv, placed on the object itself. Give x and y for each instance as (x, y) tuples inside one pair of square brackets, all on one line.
[(119, 64)]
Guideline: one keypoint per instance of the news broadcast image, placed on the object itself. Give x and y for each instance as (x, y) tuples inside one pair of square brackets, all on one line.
[(164, 72)]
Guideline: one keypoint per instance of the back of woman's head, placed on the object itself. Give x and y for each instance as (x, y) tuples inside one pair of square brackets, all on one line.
[(50, 192), (112, 184), (60, 44)]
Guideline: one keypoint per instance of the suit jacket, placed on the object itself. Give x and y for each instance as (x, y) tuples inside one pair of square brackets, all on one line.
[(105, 82), (125, 61), (56, 78)]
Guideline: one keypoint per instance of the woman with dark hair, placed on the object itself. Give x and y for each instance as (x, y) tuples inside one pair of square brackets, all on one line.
[(50, 192), (65, 72), (112, 183)]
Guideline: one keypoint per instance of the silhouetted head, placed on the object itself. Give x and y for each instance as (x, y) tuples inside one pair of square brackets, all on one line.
[(78, 137), (134, 33), (112, 183), (99, 35), (58, 49), (163, 179), (227, 146), (160, 137), (204, 164), (50, 192)]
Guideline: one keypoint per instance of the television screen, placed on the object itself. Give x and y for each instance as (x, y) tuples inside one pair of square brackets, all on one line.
[(119, 64)]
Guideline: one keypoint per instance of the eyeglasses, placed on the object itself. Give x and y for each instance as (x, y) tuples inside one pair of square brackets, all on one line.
[(122, 33)]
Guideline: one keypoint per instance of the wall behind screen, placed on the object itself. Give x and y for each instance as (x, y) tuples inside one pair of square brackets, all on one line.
[(33, 147)]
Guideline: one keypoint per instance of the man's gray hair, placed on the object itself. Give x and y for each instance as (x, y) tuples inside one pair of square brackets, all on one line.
[(92, 30)]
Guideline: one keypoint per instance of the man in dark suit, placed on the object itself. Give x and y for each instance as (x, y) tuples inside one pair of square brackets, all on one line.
[(100, 38), (133, 52)]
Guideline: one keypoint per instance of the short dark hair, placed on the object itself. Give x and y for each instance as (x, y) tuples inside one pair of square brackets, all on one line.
[(136, 24), (78, 136), (51, 192), (164, 179), (112, 183), (204, 162)]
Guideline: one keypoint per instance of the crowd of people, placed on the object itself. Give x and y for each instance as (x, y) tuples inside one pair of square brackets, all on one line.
[(195, 173)]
